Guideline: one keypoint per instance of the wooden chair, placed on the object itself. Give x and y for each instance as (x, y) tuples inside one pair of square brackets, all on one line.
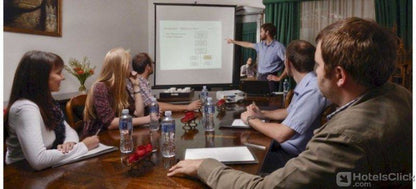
[(74, 111), (288, 98)]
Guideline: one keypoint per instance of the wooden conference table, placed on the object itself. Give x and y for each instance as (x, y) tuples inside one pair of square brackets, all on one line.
[(107, 171)]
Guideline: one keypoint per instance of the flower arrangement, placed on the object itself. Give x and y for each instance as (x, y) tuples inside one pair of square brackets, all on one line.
[(81, 70)]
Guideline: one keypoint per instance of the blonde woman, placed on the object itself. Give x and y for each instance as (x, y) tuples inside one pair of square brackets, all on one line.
[(108, 95)]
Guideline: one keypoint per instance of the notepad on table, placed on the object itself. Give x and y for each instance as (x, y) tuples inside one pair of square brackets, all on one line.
[(101, 149), (227, 155)]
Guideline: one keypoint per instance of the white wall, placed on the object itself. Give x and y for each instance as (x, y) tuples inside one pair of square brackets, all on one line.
[(90, 28)]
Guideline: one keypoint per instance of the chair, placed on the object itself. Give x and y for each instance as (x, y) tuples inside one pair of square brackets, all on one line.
[(74, 111), (288, 98)]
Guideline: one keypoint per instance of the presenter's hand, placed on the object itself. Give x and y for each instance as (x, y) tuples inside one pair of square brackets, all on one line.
[(187, 167), (91, 142), (273, 78), (229, 41), (195, 105), (66, 147)]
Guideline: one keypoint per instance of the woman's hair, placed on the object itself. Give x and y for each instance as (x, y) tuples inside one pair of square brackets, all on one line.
[(31, 82), (113, 74)]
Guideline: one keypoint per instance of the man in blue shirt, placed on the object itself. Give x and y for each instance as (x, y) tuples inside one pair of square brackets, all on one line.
[(270, 53), (300, 118)]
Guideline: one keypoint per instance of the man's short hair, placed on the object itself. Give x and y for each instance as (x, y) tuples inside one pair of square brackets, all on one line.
[(140, 61), (301, 54), (269, 27), (363, 48)]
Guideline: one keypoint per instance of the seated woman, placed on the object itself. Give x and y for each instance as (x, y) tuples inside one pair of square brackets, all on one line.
[(108, 95), (34, 121)]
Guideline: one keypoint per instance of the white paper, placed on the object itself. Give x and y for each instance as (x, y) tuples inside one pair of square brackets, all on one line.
[(222, 154), (101, 149), (239, 123)]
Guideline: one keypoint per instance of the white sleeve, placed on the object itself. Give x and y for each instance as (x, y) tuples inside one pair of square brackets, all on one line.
[(27, 123), (70, 134)]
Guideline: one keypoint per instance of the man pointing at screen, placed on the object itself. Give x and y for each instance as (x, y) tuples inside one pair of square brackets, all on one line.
[(270, 53)]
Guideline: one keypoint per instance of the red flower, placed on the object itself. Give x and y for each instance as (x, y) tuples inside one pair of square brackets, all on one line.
[(80, 72), (77, 69), (91, 72)]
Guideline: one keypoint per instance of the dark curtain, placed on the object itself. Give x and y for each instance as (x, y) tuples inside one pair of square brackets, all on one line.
[(285, 15), (397, 16), (249, 31)]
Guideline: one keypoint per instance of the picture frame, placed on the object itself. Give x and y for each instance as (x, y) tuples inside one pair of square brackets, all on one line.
[(39, 17)]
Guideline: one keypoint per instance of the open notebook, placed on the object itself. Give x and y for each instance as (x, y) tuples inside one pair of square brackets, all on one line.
[(226, 155), (101, 149)]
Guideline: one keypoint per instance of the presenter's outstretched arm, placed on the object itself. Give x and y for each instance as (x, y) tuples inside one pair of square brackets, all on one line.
[(241, 43)]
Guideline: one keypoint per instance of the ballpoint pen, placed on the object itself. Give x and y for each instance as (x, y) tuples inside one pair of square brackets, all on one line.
[(98, 131)]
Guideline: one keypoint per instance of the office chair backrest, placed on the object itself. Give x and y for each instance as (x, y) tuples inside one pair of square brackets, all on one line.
[(74, 111)]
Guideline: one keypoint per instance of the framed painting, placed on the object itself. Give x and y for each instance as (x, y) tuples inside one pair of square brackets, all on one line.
[(41, 17)]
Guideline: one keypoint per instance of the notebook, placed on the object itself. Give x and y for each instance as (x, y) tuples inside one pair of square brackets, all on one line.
[(226, 155), (101, 149)]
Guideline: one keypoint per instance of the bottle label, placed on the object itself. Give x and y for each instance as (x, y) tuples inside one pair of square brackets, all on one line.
[(168, 127), (210, 109), (154, 109)]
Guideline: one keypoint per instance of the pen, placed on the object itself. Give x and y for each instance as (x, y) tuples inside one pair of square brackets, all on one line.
[(98, 131), (255, 146)]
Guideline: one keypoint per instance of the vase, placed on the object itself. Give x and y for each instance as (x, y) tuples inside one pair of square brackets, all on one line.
[(82, 89)]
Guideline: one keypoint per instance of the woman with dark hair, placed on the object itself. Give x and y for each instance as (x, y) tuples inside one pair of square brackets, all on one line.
[(35, 123)]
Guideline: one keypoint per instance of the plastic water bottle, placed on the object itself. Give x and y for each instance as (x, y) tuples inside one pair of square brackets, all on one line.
[(154, 115), (210, 112), (126, 131), (168, 135), (203, 97), (285, 87), (204, 94), (285, 90)]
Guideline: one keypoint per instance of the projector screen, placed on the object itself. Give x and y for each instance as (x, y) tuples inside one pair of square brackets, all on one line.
[(191, 46)]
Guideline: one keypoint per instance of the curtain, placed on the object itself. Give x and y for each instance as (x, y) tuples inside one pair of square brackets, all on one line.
[(249, 34), (284, 14), (316, 15), (397, 16)]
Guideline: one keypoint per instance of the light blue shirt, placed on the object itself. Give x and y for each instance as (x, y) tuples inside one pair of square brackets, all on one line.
[(304, 113), (271, 57)]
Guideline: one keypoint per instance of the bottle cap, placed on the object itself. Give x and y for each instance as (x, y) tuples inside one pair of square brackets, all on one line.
[(168, 113), (125, 111), (153, 99), (204, 87), (209, 99)]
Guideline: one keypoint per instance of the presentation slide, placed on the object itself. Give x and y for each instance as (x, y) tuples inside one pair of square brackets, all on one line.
[(191, 46), (199, 42)]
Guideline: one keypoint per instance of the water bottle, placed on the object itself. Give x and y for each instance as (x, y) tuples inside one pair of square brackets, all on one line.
[(203, 97), (126, 131), (285, 87), (154, 115), (210, 111), (168, 135), (204, 94), (285, 90)]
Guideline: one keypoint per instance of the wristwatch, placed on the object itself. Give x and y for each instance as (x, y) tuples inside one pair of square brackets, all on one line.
[(250, 118)]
